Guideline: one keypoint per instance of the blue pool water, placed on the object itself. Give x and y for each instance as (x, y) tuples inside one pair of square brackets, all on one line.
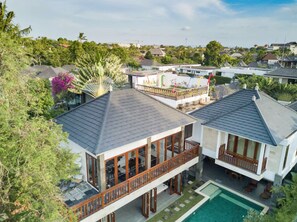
[(223, 206)]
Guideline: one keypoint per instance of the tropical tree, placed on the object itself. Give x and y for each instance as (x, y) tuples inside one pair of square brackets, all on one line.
[(6, 24), (31, 160), (95, 74), (82, 37), (212, 53)]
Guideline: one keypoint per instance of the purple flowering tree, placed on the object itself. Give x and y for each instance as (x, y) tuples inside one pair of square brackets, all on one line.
[(62, 83)]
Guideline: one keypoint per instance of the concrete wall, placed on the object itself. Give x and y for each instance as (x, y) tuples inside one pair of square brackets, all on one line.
[(209, 138)]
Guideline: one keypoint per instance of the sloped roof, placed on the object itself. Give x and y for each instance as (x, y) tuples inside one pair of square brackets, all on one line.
[(149, 62), (293, 106), (119, 118), (283, 72), (51, 72), (269, 56), (264, 120), (157, 51), (69, 68)]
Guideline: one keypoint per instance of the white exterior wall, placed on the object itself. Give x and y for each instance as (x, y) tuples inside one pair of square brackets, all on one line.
[(81, 152), (230, 72), (197, 131), (174, 103)]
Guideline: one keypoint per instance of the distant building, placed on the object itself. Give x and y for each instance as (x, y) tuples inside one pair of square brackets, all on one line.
[(236, 55), (284, 75), (269, 59), (237, 71), (197, 69), (289, 62), (157, 52), (292, 46)]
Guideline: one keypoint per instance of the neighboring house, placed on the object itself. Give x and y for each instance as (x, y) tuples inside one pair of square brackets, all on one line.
[(235, 71), (50, 73), (130, 146), (284, 75), (269, 59), (148, 64), (196, 70), (289, 62), (69, 68), (236, 55), (249, 133), (293, 105), (292, 46), (157, 52), (171, 89)]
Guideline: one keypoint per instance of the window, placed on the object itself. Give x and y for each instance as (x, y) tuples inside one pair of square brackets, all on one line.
[(286, 156), (243, 147), (188, 131), (92, 170)]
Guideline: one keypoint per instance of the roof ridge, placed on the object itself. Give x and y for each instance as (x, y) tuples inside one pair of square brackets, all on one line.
[(104, 122), (228, 96), (274, 100), (166, 104), (265, 124)]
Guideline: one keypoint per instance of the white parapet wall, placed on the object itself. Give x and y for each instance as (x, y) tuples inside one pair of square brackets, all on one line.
[(127, 199)]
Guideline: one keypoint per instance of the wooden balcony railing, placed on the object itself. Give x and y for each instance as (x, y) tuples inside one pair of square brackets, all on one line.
[(247, 164), (173, 94), (99, 201)]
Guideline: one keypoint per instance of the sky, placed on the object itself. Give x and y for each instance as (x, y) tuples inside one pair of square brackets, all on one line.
[(170, 22)]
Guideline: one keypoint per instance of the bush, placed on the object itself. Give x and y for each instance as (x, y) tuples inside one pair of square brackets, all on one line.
[(220, 80)]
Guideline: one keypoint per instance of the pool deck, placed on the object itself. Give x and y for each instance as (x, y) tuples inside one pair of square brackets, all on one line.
[(217, 173)]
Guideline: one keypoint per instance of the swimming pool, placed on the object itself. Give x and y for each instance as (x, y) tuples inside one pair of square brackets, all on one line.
[(223, 205)]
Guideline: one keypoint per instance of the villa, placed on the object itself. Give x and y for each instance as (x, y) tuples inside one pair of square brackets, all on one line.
[(182, 92), (250, 134), (129, 146)]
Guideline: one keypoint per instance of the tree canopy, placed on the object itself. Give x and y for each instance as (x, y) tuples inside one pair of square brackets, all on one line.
[(212, 53), (31, 160)]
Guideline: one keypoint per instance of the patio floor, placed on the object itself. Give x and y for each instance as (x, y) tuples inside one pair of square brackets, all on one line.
[(125, 213), (211, 171)]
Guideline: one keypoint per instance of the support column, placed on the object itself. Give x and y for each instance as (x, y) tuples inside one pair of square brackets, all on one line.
[(261, 157), (282, 159), (178, 184), (111, 217), (182, 139), (153, 198), (218, 144), (101, 172), (146, 204), (148, 153), (199, 166)]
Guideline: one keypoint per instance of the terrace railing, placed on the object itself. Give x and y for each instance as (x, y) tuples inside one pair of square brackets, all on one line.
[(105, 198), (233, 159), (175, 94)]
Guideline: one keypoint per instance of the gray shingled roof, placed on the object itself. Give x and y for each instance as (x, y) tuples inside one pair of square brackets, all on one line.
[(51, 72), (119, 118), (264, 120), (293, 106), (283, 72)]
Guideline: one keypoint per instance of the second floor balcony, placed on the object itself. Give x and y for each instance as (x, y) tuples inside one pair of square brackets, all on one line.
[(123, 189)]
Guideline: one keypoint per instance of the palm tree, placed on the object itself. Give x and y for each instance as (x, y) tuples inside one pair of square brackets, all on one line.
[(82, 37), (95, 74), (6, 24)]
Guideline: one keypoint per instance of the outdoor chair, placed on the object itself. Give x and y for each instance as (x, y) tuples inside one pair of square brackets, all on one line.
[(267, 192)]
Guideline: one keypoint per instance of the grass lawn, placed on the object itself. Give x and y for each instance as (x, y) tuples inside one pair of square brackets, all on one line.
[(187, 200)]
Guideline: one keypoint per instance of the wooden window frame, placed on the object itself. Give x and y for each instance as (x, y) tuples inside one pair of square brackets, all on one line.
[(93, 160)]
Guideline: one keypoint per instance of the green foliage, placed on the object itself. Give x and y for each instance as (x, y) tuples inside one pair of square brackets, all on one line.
[(220, 80), (212, 53), (148, 55), (42, 102), (288, 92), (31, 160), (6, 24), (95, 73), (287, 205)]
